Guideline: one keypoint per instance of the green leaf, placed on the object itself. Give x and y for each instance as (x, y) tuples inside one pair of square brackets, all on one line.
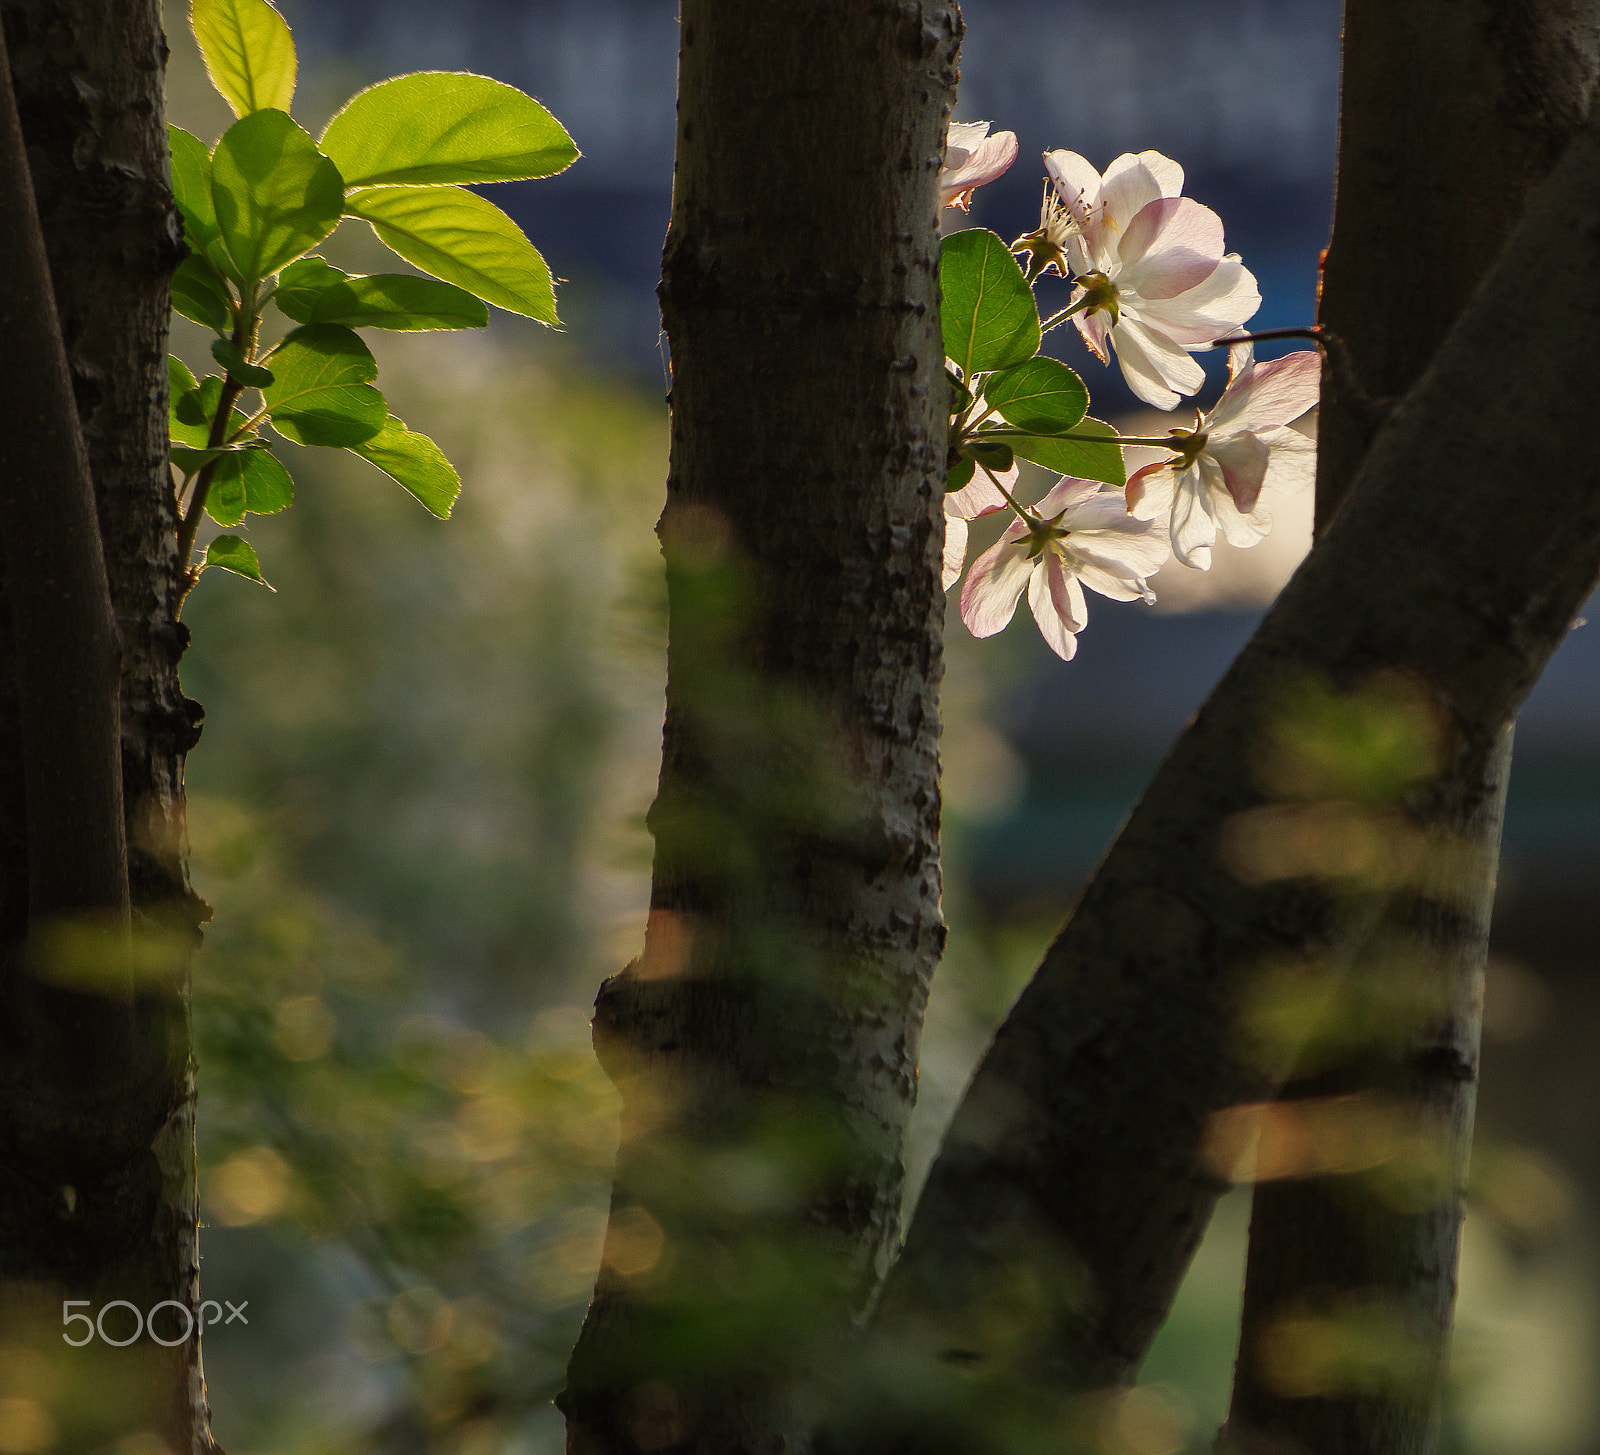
[(988, 314), (459, 237), (190, 414), (313, 291), (257, 478), (960, 395), (1083, 459), (191, 460), (179, 379), (191, 191), (322, 391), (1042, 395), (248, 52), (996, 456), (415, 462), (232, 554), (199, 293), (228, 354), (445, 126), (276, 196), (960, 475)]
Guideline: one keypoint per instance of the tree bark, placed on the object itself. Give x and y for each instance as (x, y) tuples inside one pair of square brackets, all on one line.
[(112, 1216), (1082, 1165), (1489, 94), (765, 1043)]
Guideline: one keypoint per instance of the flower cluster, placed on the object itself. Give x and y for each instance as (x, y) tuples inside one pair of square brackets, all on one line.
[(1152, 283)]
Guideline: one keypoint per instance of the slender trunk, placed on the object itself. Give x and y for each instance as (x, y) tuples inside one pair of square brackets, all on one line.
[(1086, 1157), (1490, 94), (765, 1044), (112, 1216)]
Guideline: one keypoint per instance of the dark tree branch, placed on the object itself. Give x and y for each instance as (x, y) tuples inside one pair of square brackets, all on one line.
[(1449, 83)]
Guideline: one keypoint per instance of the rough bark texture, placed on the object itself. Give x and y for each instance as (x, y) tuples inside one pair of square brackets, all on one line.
[(1489, 94), (1451, 112), (116, 1220), (766, 1041), (1075, 1183)]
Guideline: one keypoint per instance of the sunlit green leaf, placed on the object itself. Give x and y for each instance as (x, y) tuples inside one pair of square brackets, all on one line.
[(240, 369), (457, 236), (415, 462), (960, 474), (248, 52), (191, 460), (322, 391), (191, 190), (191, 413), (261, 479), (988, 315), (276, 196), (1041, 395), (313, 291), (179, 378), (199, 293), (232, 554), (445, 126), (1082, 458)]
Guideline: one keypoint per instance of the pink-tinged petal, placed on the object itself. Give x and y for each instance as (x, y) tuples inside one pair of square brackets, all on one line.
[(1128, 557), (981, 495), (1238, 527), (955, 550), (989, 599), (1172, 246), (1069, 494), (1156, 369), (1149, 491), (1192, 528), (1076, 182), (967, 168), (1241, 359), (1129, 186), (1058, 607), (1113, 583), (1268, 395), (1216, 308), (1242, 459), (966, 135), (1293, 465), (1094, 329), (1168, 173)]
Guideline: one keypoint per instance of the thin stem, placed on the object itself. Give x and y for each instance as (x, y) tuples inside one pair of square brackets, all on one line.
[(1165, 442), (1056, 319), (244, 339), (1011, 500)]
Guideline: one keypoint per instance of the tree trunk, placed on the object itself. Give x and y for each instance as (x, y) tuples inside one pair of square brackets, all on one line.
[(765, 1043), (1090, 1148), (1490, 94), (112, 1216)]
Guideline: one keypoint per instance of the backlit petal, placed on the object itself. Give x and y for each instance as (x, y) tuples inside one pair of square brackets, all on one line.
[(1058, 607), (1270, 394), (1156, 369), (994, 583), (1172, 246), (955, 550)]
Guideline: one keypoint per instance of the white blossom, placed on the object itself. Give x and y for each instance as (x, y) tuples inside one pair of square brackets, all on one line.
[(1238, 449), (1078, 535), (1151, 268), (980, 496), (971, 158)]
